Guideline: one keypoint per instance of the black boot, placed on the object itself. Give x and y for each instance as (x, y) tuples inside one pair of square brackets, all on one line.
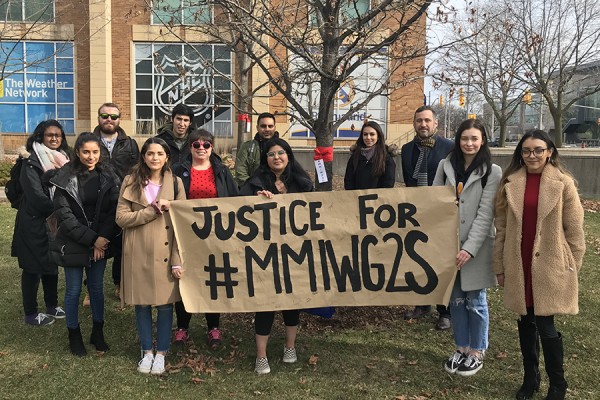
[(553, 359), (530, 349), (76, 342), (97, 337)]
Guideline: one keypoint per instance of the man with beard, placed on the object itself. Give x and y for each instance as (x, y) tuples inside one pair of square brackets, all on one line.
[(247, 158), (122, 153), (177, 131), (420, 158)]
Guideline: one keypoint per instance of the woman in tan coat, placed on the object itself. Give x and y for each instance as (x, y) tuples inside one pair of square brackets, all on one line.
[(150, 255), (538, 254)]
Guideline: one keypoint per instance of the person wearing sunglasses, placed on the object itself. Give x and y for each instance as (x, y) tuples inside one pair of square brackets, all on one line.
[(538, 254), (121, 152), (176, 133), (278, 173), (204, 176)]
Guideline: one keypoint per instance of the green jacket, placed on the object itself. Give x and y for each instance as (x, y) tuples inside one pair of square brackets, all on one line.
[(247, 159)]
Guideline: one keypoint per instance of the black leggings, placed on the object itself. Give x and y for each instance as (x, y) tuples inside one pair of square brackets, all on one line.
[(184, 317), (29, 289), (263, 321), (544, 324)]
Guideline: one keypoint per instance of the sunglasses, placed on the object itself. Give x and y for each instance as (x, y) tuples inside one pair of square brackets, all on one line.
[(197, 144), (271, 154), (114, 117)]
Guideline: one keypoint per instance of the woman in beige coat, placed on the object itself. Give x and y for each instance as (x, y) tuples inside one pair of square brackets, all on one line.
[(150, 255), (538, 254)]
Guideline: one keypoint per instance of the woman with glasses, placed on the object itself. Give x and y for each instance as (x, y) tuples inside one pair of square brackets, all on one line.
[(278, 173), (538, 254), (150, 254), (204, 176), (46, 150)]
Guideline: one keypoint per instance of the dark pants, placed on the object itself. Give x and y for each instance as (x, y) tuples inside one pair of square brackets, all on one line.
[(184, 317), (444, 311), (263, 321), (545, 324), (116, 248), (29, 289)]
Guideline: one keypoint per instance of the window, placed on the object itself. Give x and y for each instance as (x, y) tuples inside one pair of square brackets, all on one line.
[(197, 75), (38, 84), (27, 10), (181, 12), (350, 10)]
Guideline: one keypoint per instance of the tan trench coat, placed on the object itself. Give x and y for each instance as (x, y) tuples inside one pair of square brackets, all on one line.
[(149, 248), (557, 249)]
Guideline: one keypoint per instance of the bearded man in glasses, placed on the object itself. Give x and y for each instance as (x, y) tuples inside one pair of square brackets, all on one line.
[(176, 133)]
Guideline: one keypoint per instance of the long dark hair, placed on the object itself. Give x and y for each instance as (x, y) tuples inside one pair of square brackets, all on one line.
[(483, 156), (379, 158), (76, 166), (140, 173), (293, 171), (38, 135)]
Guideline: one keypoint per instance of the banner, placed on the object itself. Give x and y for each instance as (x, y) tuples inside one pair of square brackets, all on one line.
[(348, 248)]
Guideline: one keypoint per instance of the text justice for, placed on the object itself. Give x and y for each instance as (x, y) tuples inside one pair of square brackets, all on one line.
[(300, 216)]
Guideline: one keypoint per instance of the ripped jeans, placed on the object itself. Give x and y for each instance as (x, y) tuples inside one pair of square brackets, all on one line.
[(470, 318)]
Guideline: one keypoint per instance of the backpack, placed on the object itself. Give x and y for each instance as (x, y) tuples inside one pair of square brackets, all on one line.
[(12, 188)]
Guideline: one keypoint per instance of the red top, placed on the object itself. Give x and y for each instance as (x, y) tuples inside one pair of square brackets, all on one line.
[(530, 209), (202, 184)]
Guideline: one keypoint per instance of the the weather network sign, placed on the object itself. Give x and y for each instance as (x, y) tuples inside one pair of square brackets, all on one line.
[(37, 84)]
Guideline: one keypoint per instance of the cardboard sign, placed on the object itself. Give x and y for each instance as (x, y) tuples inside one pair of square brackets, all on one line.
[(348, 248)]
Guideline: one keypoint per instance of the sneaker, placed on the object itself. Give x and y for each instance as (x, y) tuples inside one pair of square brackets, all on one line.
[(471, 366), (443, 323), (262, 366), (455, 361), (56, 312), (145, 364), (86, 299), (39, 319), (289, 355), (214, 338), (158, 366), (181, 336)]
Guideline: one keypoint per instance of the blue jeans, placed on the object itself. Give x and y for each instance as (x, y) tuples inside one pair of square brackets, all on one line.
[(95, 283), (164, 321), (470, 318)]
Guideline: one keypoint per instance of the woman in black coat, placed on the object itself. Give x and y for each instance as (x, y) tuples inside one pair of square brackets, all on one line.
[(371, 164), (45, 150), (85, 204)]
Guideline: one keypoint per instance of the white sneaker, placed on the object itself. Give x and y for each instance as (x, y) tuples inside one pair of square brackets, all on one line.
[(158, 367), (262, 366), (289, 355), (145, 364)]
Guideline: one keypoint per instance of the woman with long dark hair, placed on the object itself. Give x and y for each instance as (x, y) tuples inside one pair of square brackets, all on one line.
[(278, 173), (469, 170), (45, 150), (204, 177), (371, 164), (85, 201), (538, 254), (150, 255)]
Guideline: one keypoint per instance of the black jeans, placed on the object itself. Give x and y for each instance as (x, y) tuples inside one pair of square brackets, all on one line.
[(544, 324), (184, 317), (29, 288), (263, 321)]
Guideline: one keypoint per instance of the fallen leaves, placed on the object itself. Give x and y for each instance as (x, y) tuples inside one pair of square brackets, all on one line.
[(312, 360)]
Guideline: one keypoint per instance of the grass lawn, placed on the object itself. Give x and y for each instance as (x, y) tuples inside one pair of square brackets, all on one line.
[(362, 353)]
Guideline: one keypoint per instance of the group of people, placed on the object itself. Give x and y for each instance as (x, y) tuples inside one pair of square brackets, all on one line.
[(522, 229)]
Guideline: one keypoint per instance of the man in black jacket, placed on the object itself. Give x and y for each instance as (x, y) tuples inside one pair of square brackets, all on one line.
[(121, 152), (177, 131)]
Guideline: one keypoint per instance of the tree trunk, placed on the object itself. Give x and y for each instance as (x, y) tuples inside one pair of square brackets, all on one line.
[(558, 133)]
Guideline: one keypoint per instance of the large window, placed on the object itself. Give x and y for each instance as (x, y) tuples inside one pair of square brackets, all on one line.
[(197, 75), (37, 84), (27, 10), (181, 12), (350, 10)]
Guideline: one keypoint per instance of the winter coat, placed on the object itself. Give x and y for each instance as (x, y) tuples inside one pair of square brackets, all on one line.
[(259, 181), (226, 186), (476, 216), (149, 248), (247, 158), (558, 247), (410, 155), (30, 238), (363, 178), (177, 155), (124, 156), (76, 234)]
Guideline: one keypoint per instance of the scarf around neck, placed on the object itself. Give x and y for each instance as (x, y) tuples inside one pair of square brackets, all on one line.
[(49, 159), (424, 146)]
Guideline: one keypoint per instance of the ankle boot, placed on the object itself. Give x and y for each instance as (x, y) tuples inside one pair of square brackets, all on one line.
[(97, 337), (530, 350), (76, 342), (553, 359)]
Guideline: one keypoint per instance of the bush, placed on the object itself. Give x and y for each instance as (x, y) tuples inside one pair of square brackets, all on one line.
[(5, 166)]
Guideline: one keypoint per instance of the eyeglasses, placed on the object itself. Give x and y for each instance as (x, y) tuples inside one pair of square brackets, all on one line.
[(197, 144), (538, 152), (53, 135), (271, 154), (114, 117)]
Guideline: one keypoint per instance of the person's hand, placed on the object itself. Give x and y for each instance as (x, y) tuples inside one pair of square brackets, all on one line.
[(500, 278), (177, 272), (265, 193), (98, 254), (101, 243), (461, 258)]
